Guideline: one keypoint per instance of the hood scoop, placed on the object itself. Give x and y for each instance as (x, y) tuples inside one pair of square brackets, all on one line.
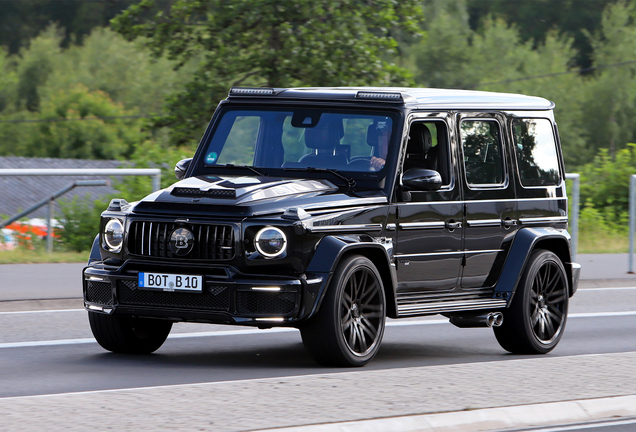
[(207, 193)]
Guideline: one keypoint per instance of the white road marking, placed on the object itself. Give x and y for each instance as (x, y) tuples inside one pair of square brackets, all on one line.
[(605, 289), (42, 311), (250, 331)]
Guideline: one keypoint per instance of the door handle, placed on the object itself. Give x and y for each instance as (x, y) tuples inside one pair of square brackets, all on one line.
[(507, 223), (452, 225)]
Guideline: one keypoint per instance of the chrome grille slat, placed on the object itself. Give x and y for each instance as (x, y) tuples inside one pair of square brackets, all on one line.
[(143, 234), (152, 239), (149, 240), (207, 240)]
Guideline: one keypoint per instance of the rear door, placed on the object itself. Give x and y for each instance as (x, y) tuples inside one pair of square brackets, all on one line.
[(489, 196)]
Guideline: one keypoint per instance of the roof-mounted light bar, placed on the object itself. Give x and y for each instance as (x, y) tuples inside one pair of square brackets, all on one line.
[(380, 96), (251, 91)]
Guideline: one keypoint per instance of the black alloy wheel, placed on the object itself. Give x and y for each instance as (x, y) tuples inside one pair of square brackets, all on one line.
[(348, 328), (535, 321), (127, 334)]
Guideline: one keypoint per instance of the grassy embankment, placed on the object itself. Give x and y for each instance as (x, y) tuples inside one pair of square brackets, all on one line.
[(604, 243), (25, 256)]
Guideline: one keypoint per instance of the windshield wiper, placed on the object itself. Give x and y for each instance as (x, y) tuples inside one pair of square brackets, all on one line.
[(351, 183), (254, 170)]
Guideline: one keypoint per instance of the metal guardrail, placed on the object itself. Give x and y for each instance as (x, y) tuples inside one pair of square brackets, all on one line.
[(49, 200), (154, 173)]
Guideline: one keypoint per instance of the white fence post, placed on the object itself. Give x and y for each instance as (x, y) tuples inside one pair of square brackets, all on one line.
[(576, 193), (632, 212)]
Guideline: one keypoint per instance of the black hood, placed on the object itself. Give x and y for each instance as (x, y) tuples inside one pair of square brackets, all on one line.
[(247, 195)]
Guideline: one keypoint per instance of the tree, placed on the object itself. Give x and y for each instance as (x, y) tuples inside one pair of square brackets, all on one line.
[(271, 43), (537, 18), (610, 106), (21, 21)]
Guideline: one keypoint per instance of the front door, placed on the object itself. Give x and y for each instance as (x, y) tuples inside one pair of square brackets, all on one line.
[(429, 224)]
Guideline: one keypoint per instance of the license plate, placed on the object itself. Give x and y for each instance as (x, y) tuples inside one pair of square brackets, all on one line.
[(170, 282)]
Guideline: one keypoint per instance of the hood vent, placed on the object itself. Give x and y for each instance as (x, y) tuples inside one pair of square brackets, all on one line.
[(210, 193)]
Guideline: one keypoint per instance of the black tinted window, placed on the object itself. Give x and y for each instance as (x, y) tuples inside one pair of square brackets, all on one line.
[(536, 152), (482, 152)]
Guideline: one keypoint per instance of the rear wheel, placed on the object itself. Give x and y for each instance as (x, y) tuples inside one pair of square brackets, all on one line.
[(127, 334), (535, 320), (348, 328)]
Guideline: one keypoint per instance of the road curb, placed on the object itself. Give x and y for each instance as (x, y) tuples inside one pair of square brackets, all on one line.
[(490, 419)]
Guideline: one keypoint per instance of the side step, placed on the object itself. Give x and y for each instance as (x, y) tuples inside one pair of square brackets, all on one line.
[(449, 306)]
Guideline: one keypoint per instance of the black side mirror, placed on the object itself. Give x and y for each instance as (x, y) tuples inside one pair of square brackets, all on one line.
[(420, 179), (181, 167)]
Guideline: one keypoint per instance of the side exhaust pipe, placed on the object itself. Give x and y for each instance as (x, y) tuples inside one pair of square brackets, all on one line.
[(490, 319)]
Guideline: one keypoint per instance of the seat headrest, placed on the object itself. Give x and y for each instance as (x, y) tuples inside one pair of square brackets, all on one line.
[(420, 139), (326, 134), (374, 131)]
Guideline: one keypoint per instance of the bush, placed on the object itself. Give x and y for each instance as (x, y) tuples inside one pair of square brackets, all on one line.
[(80, 222)]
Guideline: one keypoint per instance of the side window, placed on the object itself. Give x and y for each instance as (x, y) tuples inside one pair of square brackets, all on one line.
[(537, 158), (427, 147), (481, 145)]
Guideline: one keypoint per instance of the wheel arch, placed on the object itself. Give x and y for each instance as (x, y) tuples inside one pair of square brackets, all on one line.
[(332, 250), (527, 240)]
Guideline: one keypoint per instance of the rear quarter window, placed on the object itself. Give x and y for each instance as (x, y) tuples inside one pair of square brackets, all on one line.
[(536, 152)]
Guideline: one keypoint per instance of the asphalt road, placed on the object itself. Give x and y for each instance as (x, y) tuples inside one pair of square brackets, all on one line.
[(52, 352)]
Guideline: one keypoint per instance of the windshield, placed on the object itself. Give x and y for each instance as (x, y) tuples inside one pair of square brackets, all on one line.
[(301, 138)]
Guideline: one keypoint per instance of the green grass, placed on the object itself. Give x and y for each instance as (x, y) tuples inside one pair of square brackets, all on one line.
[(603, 242), (25, 256)]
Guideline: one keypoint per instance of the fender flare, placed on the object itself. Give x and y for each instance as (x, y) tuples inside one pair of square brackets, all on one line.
[(95, 255), (527, 239), (328, 254)]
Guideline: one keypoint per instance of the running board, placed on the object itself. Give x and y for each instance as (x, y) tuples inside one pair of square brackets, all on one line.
[(449, 306)]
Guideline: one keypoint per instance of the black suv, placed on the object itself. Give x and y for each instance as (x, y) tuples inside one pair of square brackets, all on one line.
[(330, 209)]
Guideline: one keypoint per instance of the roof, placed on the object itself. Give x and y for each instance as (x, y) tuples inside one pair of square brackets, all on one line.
[(19, 193), (423, 98)]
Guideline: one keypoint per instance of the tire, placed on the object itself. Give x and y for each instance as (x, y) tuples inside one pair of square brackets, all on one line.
[(127, 334), (348, 328), (535, 321)]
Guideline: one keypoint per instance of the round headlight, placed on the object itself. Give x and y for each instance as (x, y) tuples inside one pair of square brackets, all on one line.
[(114, 235), (270, 242)]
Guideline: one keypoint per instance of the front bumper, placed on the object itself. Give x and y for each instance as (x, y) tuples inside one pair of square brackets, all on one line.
[(228, 296)]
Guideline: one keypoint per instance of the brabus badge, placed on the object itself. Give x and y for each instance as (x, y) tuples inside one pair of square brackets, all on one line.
[(181, 241)]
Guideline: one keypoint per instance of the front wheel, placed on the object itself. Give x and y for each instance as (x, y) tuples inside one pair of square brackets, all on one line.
[(127, 334), (348, 328), (535, 320)]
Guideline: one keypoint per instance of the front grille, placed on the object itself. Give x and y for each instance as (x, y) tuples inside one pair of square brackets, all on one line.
[(214, 297), (99, 292), (152, 239), (265, 303)]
